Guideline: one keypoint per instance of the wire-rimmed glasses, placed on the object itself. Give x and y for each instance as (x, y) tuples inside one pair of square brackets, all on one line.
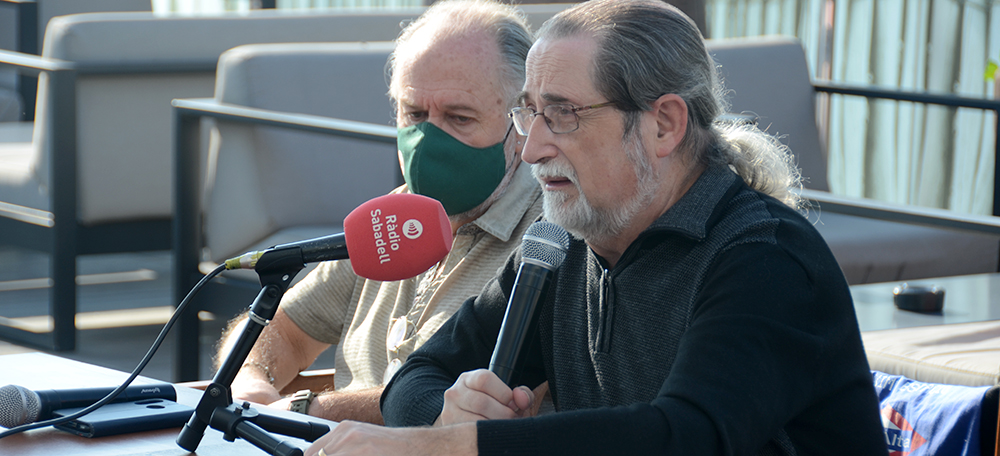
[(561, 118)]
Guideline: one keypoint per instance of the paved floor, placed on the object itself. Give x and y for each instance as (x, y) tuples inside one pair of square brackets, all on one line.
[(123, 301)]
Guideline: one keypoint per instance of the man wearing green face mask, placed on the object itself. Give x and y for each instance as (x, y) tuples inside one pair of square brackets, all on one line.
[(438, 165), (455, 73)]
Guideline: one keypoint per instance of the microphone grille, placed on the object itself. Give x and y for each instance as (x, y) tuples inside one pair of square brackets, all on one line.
[(545, 244), (18, 405)]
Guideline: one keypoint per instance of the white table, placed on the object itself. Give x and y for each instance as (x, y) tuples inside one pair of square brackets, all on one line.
[(38, 371), (967, 299)]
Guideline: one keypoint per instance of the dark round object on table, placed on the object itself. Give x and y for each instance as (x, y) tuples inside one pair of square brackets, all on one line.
[(918, 298)]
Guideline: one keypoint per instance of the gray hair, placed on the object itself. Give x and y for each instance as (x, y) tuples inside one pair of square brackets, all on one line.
[(647, 48), (505, 23)]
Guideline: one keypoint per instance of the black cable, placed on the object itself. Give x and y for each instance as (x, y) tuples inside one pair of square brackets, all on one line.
[(135, 373)]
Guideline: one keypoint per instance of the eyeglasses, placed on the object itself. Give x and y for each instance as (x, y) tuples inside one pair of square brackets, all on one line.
[(561, 118), (399, 331)]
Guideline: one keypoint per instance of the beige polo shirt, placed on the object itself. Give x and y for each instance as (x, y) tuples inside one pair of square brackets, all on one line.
[(335, 306)]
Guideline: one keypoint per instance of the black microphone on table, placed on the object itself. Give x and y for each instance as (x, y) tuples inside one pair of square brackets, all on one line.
[(543, 249), (19, 405)]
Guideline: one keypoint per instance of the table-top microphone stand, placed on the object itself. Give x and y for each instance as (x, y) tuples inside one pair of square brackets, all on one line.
[(216, 409)]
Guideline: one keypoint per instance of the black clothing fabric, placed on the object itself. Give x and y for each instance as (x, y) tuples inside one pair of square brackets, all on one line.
[(726, 328)]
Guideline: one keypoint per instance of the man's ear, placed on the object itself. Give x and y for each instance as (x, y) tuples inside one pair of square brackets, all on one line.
[(671, 115)]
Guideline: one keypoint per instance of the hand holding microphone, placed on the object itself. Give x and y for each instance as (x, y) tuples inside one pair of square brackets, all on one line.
[(493, 394), (481, 395), (543, 249)]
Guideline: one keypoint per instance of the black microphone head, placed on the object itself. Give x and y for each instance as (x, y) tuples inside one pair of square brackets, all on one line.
[(18, 405), (544, 244)]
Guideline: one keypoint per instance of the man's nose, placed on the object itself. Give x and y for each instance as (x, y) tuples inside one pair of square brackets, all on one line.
[(538, 145)]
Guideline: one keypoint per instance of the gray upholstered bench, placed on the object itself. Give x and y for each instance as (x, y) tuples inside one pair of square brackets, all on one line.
[(769, 78), (96, 177)]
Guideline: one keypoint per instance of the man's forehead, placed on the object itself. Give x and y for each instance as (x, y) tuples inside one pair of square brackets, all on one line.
[(549, 97), (558, 71), (451, 99), (451, 91), (456, 73)]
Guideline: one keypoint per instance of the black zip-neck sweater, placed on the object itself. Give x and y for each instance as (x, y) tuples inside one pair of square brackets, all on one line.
[(726, 328)]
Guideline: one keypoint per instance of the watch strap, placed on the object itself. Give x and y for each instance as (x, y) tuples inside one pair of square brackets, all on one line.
[(301, 400)]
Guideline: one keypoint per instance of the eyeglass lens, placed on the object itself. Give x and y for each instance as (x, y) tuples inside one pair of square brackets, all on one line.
[(559, 118)]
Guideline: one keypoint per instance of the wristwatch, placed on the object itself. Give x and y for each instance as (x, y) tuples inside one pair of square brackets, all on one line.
[(301, 400)]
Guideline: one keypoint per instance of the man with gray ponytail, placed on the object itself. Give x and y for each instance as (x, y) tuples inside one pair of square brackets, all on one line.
[(697, 312)]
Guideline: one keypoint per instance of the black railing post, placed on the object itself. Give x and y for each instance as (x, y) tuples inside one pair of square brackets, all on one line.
[(63, 182), (27, 42), (186, 240)]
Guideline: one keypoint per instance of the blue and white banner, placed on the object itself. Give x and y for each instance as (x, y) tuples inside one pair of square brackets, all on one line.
[(928, 418)]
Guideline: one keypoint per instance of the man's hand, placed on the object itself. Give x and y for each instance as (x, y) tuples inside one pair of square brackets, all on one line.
[(481, 395), (352, 438)]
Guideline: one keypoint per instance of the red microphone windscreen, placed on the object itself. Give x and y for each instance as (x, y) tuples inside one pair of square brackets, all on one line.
[(397, 236)]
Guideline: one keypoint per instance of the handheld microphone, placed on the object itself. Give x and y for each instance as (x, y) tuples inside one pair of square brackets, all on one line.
[(392, 237), (543, 249), (19, 405)]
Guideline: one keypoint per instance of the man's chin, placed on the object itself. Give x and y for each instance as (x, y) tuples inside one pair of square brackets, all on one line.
[(561, 210), (563, 198)]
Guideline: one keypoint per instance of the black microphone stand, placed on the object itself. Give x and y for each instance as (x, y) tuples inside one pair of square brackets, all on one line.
[(216, 409)]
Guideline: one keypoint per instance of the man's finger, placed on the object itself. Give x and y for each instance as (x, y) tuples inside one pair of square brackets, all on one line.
[(488, 383), (523, 398), (463, 400)]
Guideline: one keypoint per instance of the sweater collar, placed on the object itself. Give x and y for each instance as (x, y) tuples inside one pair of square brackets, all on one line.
[(692, 213)]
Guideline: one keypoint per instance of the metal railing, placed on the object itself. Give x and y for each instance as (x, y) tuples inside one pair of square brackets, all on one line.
[(56, 230), (57, 236), (870, 92)]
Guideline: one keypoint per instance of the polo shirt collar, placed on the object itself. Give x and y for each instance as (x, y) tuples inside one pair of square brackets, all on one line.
[(505, 214)]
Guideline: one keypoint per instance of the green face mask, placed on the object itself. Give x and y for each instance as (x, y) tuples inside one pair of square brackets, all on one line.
[(437, 165)]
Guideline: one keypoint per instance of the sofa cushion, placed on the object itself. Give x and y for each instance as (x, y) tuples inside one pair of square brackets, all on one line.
[(958, 354), (871, 250)]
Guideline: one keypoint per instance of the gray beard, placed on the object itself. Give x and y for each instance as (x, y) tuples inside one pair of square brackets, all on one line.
[(585, 221)]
